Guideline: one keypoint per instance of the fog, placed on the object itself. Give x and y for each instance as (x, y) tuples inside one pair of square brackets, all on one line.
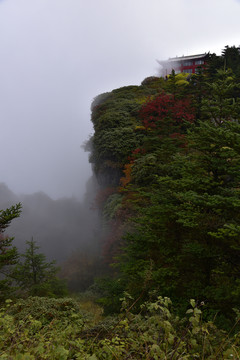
[(56, 56), (60, 227)]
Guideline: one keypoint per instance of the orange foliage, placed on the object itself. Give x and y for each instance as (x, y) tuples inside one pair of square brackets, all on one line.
[(127, 178)]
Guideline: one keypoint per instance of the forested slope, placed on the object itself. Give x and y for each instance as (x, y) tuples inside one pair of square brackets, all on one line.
[(167, 157)]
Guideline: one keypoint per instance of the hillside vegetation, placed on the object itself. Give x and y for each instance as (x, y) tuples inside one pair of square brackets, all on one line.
[(166, 155)]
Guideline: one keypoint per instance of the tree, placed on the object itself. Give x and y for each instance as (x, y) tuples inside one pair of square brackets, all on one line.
[(232, 58), (166, 113), (208, 210), (182, 182), (37, 277), (8, 253), (186, 242), (221, 102), (187, 231), (165, 119), (214, 64)]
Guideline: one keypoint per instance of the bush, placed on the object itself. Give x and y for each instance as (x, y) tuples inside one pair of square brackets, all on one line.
[(44, 309), (28, 332)]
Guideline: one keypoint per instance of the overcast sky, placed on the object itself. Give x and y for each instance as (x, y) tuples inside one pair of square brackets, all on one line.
[(57, 55)]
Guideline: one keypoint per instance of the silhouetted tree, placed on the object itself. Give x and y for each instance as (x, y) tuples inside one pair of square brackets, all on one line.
[(8, 253)]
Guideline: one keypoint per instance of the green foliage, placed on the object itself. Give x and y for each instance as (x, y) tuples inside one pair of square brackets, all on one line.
[(177, 84), (153, 82), (44, 309), (115, 117), (172, 148), (115, 144), (41, 328), (232, 58), (112, 205), (98, 100), (145, 169), (229, 60), (35, 276), (189, 226), (220, 104), (6, 216), (8, 252), (110, 291)]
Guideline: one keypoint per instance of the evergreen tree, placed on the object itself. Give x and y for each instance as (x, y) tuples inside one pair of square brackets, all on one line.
[(37, 277), (207, 212), (220, 103), (8, 252), (181, 189), (187, 232), (232, 59), (214, 64), (187, 235)]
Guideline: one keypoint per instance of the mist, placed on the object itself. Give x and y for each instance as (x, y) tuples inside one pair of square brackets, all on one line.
[(56, 57), (59, 227)]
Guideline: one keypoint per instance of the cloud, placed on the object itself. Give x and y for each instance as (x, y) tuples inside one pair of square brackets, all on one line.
[(57, 55)]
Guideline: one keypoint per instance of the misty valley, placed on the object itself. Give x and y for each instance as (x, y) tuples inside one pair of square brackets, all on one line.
[(147, 265), (58, 226), (64, 229)]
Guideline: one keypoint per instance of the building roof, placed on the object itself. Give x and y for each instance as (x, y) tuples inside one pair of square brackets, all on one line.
[(190, 57), (181, 58)]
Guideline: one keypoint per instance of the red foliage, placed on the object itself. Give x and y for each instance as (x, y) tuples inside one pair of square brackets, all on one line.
[(164, 109), (135, 154), (139, 151), (136, 151)]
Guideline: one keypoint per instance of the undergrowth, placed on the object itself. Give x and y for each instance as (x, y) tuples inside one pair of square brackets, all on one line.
[(61, 329)]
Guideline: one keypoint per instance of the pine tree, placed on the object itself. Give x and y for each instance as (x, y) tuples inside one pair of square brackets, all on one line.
[(35, 276), (8, 252), (221, 103), (189, 225), (232, 59), (208, 197)]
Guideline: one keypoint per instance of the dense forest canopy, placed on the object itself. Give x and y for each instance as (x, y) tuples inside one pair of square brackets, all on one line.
[(167, 157)]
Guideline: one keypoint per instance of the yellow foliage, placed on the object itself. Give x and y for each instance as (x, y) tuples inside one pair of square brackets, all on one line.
[(181, 76), (182, 82), (144, 99), (181, 79), (140, 127)]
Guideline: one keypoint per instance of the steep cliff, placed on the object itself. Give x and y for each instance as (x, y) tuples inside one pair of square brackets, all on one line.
[(166, 154)]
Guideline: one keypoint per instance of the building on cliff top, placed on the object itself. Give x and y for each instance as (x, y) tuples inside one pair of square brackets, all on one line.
[(185, 64)]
